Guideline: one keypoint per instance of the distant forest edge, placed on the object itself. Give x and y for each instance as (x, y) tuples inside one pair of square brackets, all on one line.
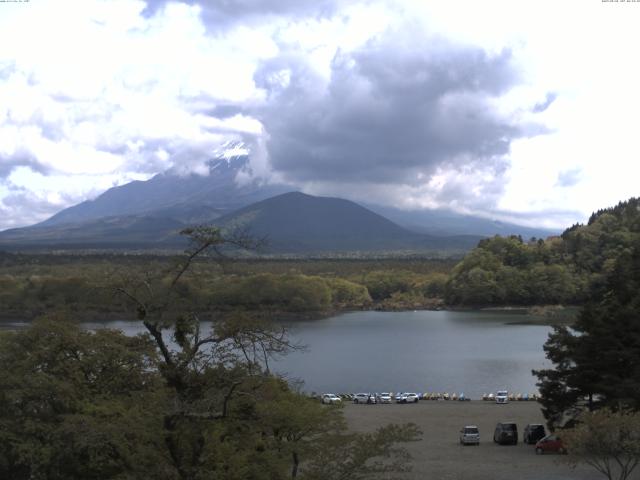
[(500, 271), (84, 285), (556, 270)]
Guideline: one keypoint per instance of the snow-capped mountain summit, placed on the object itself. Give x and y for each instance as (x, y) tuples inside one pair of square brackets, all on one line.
[(187, 198)]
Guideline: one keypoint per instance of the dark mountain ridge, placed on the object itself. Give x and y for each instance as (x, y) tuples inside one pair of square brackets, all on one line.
[(291, 223), (296, 222)]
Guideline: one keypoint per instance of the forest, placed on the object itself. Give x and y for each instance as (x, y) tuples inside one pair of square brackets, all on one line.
[(32, 284), (557, 270)]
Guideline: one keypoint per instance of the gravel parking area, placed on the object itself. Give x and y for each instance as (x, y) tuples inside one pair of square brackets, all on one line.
[(440, 456)]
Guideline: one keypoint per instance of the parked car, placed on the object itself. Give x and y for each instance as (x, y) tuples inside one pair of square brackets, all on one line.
[(550, 444), (384, 397), (470, 435), (502, 396), (364, 398), (533, 432), (330, 398), (506, 433), (408, 398)]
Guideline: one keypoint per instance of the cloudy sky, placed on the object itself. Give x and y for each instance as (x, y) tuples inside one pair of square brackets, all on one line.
[(525, 111)]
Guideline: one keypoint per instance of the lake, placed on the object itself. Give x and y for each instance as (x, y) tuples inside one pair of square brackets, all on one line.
[(474, 352), (422, 351)]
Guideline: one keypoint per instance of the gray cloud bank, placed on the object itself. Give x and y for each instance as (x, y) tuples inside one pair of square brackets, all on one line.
[(220, 14), (394, 112), (385, 121)]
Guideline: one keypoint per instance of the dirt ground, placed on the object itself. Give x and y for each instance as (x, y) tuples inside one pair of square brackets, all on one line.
[(439, 456)]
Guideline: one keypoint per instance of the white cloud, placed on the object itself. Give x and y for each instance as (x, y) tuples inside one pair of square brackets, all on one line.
[(93, 92), (582, 52), (99, 92)]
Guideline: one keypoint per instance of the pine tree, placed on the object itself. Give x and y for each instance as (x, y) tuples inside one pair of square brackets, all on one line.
[(597, 360)]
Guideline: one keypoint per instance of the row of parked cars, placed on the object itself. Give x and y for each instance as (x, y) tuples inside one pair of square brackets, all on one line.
[(501, 396), (372, 398), (386, 397), (506, 433)]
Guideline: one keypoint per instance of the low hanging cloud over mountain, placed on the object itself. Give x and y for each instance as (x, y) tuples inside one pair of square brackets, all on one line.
[(411, 104)]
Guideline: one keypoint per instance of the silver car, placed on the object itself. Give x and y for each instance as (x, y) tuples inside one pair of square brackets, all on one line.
[(331, 398), (408, 398), (384, 397), (470, 435)]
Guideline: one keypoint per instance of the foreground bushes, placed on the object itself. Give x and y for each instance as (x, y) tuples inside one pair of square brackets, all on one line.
[(81, 405)]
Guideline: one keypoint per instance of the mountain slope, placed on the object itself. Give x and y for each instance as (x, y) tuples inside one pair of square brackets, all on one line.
[(188, 198), (296, 223), (195, 199), (129, 231), (446, 222), (292, 223), (199, 198), (147, 214)]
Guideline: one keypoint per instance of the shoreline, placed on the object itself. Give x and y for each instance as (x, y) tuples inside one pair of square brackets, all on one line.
[(550, 315)]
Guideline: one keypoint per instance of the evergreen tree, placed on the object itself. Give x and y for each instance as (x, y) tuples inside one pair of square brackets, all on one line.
[(597, 360)]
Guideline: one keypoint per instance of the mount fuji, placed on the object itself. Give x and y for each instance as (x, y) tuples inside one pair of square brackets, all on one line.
[(149, 214), (191, 198)]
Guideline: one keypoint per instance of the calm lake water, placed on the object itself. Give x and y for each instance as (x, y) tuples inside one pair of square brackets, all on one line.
[(422, 351)]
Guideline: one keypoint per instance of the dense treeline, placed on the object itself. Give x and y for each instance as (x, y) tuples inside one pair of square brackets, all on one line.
[(31, 285), (289, 292), (506, 270), (566, 269)]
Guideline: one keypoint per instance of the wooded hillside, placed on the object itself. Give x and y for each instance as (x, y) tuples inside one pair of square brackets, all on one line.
[(565, 269)]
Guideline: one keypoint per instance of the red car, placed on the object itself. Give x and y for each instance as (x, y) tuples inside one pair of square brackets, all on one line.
[(550, 444)]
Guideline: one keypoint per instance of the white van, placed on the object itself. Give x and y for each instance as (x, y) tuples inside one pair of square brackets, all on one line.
[(502, 396)]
